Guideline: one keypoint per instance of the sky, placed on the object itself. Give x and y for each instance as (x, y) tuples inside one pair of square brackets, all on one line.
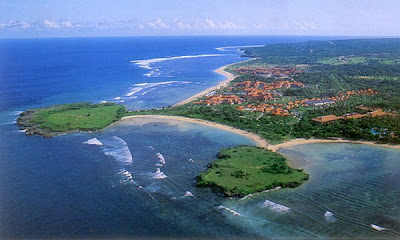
[(82, 18)]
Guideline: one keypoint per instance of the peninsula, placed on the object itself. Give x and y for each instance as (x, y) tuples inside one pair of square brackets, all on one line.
[(61, 119), (318, 91)]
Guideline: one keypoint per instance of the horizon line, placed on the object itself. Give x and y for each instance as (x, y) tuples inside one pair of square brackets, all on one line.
[(250, 35)]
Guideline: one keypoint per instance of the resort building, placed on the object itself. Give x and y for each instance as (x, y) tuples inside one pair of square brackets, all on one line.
[(329, 118), (319, 102), (325, 119), (220, 99), (265, 71)]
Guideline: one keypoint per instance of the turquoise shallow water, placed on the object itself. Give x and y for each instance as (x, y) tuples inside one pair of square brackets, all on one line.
[(87, 192), (63, 188), (81, 190), (357, 184)]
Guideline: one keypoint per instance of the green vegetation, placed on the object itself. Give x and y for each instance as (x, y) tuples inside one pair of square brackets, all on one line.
[(70, 117), (239, 171), (274, 128), (385, 129), (312, 52), (330, 68)]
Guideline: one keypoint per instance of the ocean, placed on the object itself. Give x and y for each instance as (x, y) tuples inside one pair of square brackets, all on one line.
[(137, 180)]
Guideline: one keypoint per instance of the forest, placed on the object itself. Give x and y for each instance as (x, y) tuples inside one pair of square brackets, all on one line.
[(329, 68)]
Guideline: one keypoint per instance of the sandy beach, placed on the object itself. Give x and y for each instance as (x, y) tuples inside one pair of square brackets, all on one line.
[(300, 141), (261, 142), (229, 77)]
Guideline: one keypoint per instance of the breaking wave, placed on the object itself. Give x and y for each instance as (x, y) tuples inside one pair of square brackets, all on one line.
[(150, 90), (141, 86), (161, 160), (127, 176), (329, 217), (93, 141), (117, 148), (153, 86), (153, 73), (188, 194), (276, 207), (9, 123), (17, 113), (159, 174), (224, 49), (229, 210), (146, 63), (378, 228)]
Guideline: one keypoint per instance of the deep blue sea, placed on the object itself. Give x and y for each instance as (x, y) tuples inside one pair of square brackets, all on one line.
[(140, 181)]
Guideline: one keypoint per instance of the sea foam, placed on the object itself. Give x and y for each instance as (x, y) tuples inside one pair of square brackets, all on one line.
[(161, 159), (8, 123), (142, 86), (17, 113), (223, 49), (329, 217), (378, 228), (159, 174), (188, 194), (229, 210), (117, 148), (146, 63), (276, 207), (93, 141), (127, 176)]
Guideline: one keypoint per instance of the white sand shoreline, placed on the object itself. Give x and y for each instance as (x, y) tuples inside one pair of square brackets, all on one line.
[(301, 141), (261, 142), (229, 77)]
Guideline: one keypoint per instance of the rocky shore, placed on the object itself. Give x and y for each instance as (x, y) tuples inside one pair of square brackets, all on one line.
[(26, 124)]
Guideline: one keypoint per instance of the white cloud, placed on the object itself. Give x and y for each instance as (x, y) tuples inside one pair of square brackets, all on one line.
[(158, 24), (50, 24), (228, 25), (209, 24), (103, 25), (38, 25), (276, 27), (67, 24), (260, 26), (201, 25), (15, 25), (182, 25)]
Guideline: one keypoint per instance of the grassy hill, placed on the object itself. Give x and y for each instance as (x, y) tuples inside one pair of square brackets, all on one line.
[(70, 117), (242, 170)]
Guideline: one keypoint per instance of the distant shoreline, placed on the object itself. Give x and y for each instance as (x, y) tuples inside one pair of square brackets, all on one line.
[(301, 141), (261, 142), (229, 78)]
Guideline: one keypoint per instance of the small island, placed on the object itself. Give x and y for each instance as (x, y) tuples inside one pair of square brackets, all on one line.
[(243, 170), (60, 119), (316, 91)]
